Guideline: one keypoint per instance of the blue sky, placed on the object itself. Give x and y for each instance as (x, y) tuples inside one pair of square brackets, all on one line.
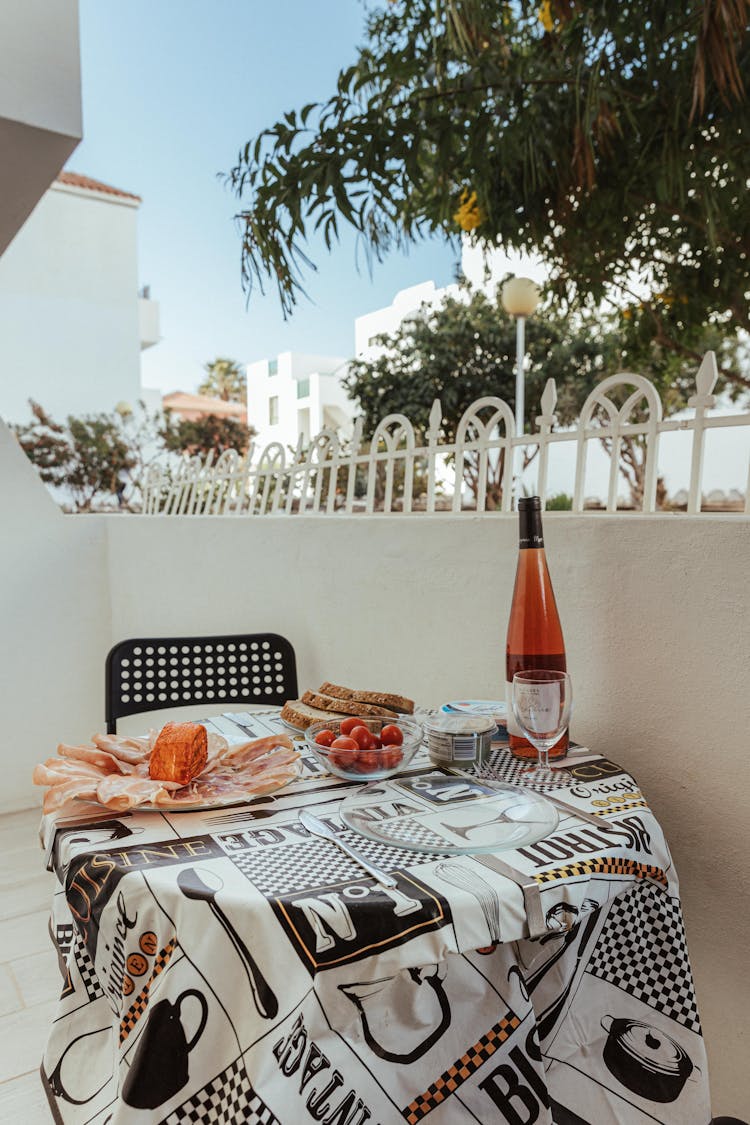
[(171, 90)]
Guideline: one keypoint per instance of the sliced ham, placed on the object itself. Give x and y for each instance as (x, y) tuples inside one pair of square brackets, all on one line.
[(132, 750), (56, 770), (248, 751), (101, 758), (80, 788), (281, 757), (119, 792)]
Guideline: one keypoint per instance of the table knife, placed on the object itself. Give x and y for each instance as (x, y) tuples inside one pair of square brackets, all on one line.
[(318, 828)]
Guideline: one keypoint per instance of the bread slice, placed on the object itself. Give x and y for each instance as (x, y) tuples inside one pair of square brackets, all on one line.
[(301, 715), (347, 706), (375, 698)]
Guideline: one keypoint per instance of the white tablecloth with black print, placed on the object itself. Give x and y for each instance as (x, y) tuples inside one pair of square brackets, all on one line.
[(223, 966)]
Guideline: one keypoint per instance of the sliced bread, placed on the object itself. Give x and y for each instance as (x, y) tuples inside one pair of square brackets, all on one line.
[(299, 714), (347, 706), (374, 698)]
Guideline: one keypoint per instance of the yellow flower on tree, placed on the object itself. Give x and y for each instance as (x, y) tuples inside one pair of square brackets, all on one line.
[(545, 16), (469, 214)]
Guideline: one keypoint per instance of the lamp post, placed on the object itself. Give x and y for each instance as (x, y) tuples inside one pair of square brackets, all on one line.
[(520, 297)]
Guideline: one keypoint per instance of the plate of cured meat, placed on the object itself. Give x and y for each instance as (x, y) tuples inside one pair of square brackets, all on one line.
[(180, 768)]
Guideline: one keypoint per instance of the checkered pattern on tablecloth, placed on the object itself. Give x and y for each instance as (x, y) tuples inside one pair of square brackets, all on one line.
[(642, 950), (226, 1100), (291, 868), (462, 1069), (500, 765), (86, 970)]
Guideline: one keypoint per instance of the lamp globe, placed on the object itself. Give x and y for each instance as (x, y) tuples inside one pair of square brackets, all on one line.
[(520, 296)]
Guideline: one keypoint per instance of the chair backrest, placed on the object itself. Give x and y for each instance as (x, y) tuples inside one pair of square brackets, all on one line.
[(153, 673)]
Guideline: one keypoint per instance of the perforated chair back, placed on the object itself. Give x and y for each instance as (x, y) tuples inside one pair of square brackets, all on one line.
[(153, 673)]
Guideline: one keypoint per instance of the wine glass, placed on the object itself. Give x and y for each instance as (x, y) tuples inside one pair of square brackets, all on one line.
[(541, 701)]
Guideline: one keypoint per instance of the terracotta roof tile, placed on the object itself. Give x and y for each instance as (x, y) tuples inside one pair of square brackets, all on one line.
[(73, 179), (194, 406)]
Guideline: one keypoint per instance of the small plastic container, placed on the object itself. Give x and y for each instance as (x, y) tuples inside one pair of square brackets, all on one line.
[(459, 740)]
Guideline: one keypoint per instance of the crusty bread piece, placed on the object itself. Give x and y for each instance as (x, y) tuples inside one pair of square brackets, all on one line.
[(348, 706), (301, 715), (375, 698), (180, 752), (336, 690)]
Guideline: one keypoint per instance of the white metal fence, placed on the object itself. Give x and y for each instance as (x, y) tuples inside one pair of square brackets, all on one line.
[(392, 473)]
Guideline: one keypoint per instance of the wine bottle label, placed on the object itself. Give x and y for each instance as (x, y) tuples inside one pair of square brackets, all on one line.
[(530, 529)]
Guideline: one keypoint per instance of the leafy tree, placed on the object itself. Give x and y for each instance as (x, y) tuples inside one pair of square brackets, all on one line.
[(225, 379), (90, 457), (141, 430), (205, 435), (609, 138), (85, 457), (462, 350)]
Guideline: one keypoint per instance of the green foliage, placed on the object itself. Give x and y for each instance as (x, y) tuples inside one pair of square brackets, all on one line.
[(459, 351), (93, 459), (609, 138), (560, 502), (87, 456), (462, 350), (204, 435), (225, 379)]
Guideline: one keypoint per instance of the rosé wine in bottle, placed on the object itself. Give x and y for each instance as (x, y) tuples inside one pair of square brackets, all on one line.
[(535, 637)]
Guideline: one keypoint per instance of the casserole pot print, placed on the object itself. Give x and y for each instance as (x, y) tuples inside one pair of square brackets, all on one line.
[(645, 1060)]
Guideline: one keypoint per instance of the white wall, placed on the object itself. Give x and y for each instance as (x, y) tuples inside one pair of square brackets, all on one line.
[(69, 327), (40, 102), (655, 611), (54, 609)]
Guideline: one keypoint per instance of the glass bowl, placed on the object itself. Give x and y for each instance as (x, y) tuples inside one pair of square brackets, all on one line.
[(371, 763)]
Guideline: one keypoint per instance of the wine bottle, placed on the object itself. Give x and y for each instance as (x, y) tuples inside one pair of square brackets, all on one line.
[(535, 638)]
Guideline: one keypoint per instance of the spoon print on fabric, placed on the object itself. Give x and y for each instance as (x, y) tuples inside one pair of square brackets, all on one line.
[(203, 886)]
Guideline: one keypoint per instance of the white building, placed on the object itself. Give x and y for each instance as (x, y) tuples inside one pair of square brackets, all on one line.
[(72, 324), (384, 321), (295, 395), (482, 268)]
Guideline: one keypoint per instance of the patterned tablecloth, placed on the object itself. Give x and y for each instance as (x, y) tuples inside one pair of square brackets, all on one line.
[(224, 966)]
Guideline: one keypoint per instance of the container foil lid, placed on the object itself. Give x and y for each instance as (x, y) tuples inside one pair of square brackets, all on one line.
[(459, 724)]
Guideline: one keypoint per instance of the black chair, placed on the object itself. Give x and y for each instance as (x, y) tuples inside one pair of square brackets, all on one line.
[(153, 673)]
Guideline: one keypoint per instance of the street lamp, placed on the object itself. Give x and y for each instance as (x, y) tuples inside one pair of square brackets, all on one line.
[(520, 297)]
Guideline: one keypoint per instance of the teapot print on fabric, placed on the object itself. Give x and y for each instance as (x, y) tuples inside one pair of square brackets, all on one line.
[(404, 1015)]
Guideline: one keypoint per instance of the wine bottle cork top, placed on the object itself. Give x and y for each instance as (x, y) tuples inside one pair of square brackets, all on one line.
[(529, 504)]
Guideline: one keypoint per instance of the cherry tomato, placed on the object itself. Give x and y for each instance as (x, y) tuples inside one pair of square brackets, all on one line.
[(342, 759), (342, 743), (376, 744), (368, 761), (362, 737), (391, 735), (391, 757), (325, 737), (346, 726)]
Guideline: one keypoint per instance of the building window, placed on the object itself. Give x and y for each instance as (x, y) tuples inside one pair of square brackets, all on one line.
[(273, 367), (273, 410), (303, 388)]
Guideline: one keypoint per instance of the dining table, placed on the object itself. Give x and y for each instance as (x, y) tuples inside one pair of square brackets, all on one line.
[(225, 965)]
